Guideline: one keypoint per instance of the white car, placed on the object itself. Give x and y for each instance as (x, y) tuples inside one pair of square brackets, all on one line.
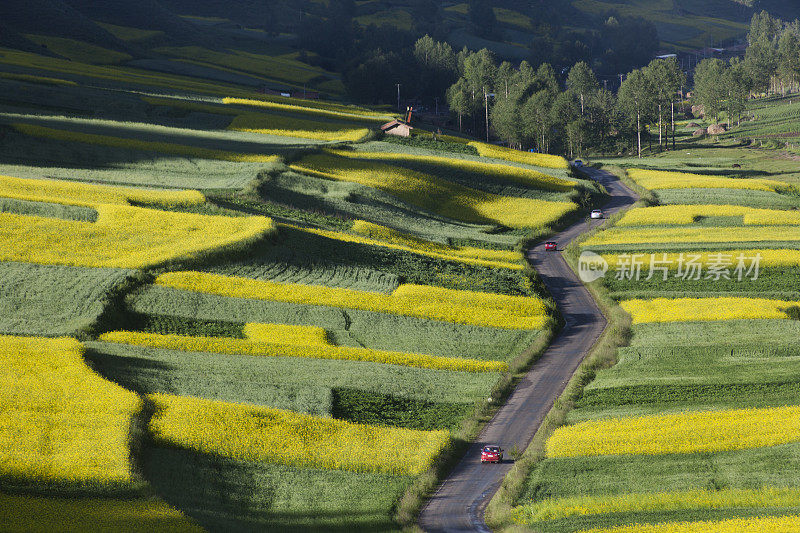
[(597, 213)]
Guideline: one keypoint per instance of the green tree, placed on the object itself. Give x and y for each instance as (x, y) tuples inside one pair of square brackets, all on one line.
[(709, 86), (666, 78), (503, 81), (635, 100), (789, 59), (459, 100), (737, 89), (582, 81)]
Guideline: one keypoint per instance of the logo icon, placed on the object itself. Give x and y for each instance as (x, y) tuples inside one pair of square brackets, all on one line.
[(591, 267)]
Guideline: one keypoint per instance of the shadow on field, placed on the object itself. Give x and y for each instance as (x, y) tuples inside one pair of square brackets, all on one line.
[(226, 495)]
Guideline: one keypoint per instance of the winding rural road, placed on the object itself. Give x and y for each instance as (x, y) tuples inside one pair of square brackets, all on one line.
[(460, 501)]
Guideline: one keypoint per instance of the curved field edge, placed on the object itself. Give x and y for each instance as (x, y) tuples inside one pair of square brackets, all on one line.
[(499, 513)]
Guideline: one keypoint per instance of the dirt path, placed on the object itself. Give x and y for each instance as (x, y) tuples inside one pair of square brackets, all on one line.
[(460, 501)]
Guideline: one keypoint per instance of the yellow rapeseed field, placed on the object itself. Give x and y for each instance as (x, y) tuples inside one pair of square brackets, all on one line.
[(463, 307), (766, 524), (228, 345), (136, 144), (679, 214), (76, 193), (123, 236), (557, 508), (355, 114), (41, 514), (469, 254), (518, 156), (704, 309), (59, 421), (659, 179), (473, 256), (285, 334), (524, 176), (437, 195), (688, 214), (690, 432), (257, 433), (293, 127), (768, 258), (694, 234)]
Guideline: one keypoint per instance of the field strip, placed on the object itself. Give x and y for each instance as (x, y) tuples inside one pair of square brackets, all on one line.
[(705, 309), (279, 348), (447, 305), (254, 433), (690, 432), (776, 524)]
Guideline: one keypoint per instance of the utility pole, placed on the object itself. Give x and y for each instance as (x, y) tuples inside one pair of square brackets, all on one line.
[(398, 97), (620, 80), (436, 99), (673, 122)]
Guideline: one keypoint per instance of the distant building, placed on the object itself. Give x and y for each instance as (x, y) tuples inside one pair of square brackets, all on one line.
[(397, 127)]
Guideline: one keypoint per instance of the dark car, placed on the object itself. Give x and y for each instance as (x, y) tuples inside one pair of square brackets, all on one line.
[(492, 454)]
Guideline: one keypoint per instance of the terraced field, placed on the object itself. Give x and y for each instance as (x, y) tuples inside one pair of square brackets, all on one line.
[(692, 428), (214, 320)]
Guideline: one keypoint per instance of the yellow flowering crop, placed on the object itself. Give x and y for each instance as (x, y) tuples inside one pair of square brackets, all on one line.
[(294, 127), (437, 195), (520, 175), (77, 193), (256, 433), (136, 144), (447, 305), (766, 524), (59, 421), (123, 236), (688, 214), (704, 309), (285, 334), (469, 255), (354, 114), (659, 179), (691, 432), (679, 214), (678, 234), (557, 508), (769, 257), (517, 156), (772, 217), (41, 514), (228, 345), (482, 256)]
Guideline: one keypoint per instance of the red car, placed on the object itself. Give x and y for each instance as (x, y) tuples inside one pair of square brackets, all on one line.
[(492, 454), (550, 246)]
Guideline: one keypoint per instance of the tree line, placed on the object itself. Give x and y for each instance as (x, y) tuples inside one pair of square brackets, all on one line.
[(527, 107)]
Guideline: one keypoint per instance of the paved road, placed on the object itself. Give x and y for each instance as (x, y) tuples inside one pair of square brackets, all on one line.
[(459, 503)]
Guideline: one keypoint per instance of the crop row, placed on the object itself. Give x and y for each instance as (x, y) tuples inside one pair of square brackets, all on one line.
[(688, 214), (123, 237), (254, 433), (673, 261), (554, 509), (517, 156), (84, 194), (279, 348), (137, 144), (705, 309), (690, 432), (522, 176), (658, 179), (60, 422), (771, 524), (693, 235), (463, 307), (285, 334), (437, 195), (294, 127), (354, 114)]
